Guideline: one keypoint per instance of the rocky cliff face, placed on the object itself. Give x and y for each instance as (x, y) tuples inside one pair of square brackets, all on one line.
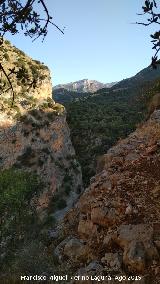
[(40, 178), (114, 228), (34, 135)]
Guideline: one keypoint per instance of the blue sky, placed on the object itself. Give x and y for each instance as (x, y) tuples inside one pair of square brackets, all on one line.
[(99, 43)]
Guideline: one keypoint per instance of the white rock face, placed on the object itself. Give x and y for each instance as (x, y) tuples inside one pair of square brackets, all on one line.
[(84, 85)]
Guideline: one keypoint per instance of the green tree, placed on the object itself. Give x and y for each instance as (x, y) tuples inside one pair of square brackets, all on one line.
[(17, 14), (151, 9)]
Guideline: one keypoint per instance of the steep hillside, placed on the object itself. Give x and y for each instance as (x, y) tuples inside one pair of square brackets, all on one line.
[(98, 121), (114, 228), (147, 74), (36, 154)]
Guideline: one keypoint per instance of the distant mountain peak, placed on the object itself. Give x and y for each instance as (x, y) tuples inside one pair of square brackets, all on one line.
[(84, 85)]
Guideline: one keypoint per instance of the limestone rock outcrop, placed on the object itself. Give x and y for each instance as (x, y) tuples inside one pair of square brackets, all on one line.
[(34, 135)]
